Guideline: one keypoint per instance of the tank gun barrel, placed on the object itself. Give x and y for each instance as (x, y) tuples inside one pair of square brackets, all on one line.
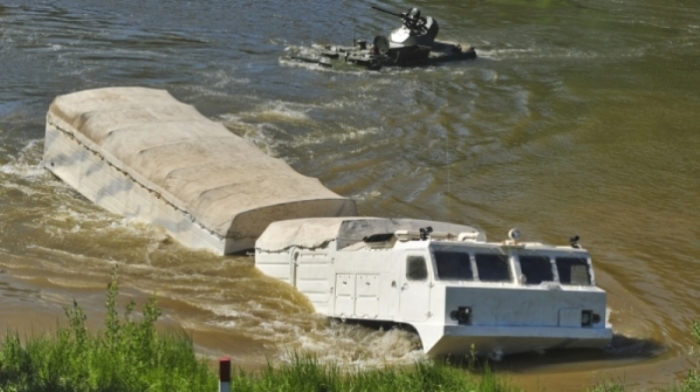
[(389, 12)]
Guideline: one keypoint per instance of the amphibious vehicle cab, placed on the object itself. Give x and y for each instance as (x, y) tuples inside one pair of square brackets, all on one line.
[(444, 280)]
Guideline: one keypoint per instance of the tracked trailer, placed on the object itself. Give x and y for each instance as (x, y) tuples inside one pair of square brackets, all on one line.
[(141, 153)]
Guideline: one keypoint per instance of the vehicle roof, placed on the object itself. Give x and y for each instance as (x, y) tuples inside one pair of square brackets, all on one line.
[(318, 232)]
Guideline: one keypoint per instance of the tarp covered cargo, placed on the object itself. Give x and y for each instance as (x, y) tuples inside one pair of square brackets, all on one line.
[(317, 232), (141, 153)]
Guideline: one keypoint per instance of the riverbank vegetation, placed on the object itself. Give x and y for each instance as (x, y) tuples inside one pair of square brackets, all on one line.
[(130, 354), (306, 374)]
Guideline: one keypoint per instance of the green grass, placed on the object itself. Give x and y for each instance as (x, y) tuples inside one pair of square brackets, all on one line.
[(305, 374), (131, 355)]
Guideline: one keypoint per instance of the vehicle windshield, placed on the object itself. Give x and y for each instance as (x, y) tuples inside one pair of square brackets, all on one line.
[(459, 264), (573, 271), (453, 265), (492, 267), (482, 264), (536, 268)]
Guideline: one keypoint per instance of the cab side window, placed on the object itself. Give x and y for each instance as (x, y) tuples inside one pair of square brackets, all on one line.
[(416, 268)]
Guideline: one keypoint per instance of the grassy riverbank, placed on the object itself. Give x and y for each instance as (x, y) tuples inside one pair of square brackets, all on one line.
[(131, 355), (305, 374)]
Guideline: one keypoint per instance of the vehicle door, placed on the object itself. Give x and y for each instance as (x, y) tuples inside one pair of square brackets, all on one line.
[(416, 283)]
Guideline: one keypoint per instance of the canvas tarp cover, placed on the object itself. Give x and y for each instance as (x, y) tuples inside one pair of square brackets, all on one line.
[(312, 233), (223, 181)]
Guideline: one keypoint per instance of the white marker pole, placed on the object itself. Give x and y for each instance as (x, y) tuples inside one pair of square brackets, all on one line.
[(224, 374)]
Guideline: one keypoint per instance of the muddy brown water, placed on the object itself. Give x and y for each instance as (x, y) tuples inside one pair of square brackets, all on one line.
[(577, 118)]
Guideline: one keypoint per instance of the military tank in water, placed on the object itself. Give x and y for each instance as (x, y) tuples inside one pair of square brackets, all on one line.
[(411, 44)]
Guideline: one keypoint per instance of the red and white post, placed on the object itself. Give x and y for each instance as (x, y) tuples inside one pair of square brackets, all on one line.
[(224, 374)]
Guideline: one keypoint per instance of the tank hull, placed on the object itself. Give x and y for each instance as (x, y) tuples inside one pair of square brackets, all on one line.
[(367, 56)]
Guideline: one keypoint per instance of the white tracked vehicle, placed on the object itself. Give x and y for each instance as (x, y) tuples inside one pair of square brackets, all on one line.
[(141, 153), (444, 280)]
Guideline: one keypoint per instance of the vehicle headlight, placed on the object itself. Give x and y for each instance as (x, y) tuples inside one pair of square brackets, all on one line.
[(588, 318), (463, 315)]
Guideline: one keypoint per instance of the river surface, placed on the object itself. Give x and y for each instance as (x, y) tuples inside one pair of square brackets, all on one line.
[(578, 117)]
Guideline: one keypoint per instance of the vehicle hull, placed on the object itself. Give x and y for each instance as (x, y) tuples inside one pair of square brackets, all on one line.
[(365, 55), (496, 341)]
